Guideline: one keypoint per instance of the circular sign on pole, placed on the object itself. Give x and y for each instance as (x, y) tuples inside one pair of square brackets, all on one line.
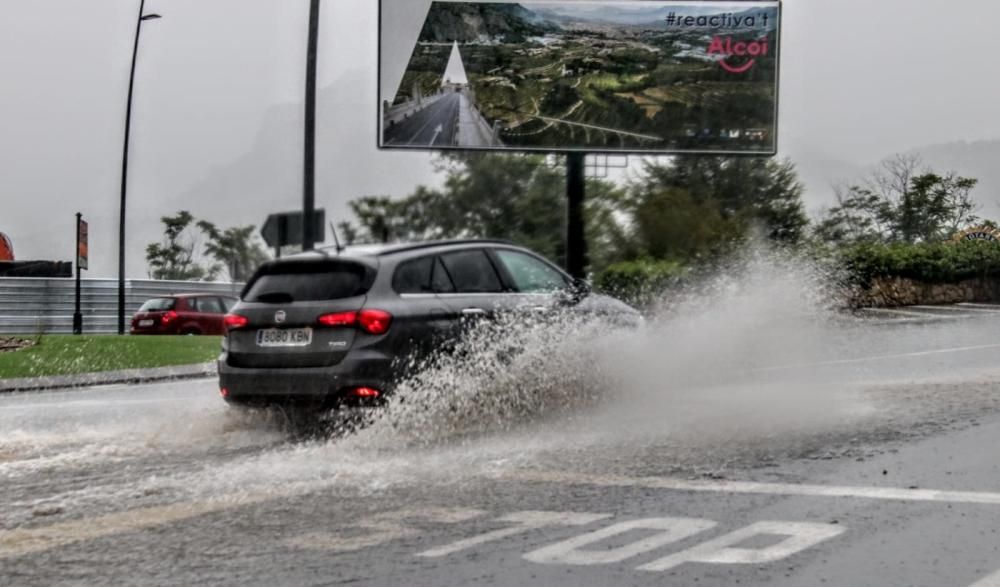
[(6, 248)]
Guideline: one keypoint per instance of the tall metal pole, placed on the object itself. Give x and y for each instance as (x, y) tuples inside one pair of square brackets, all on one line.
[(576, 238), (121, 212), (309, 175)]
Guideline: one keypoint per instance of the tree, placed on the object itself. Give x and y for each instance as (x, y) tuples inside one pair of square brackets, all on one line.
[(235, 249), (692, 206), (173, 258), (671, 224), (512, 197), (347, 233), (902, 201)]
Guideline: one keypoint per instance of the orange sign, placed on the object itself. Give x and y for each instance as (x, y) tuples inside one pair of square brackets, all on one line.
[(6, 248)]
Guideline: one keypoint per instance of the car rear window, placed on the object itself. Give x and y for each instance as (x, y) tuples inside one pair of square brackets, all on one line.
[(308, 282), (158, 305)]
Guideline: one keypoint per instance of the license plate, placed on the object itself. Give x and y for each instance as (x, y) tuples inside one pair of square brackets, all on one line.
[(145, 323), (286, 337)]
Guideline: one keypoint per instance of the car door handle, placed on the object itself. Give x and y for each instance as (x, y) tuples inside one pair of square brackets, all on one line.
[(473, 312)]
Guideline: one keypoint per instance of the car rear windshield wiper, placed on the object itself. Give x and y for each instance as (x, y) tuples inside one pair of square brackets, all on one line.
[(276, 297)]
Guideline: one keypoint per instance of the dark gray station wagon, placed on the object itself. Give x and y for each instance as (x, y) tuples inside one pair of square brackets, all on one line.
[(337, 328)]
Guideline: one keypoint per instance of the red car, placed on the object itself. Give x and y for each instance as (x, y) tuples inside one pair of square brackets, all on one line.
[(183, 314)]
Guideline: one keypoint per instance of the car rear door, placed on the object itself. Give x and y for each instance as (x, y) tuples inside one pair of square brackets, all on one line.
[(422, 320), (478, 290)]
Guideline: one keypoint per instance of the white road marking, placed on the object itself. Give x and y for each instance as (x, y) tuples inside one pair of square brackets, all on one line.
[(748, 487), (391, 526), (965, 349), (972, 309), (382, 528), (908, 314), (526, 522), (572, 551), (110, 404), (991, 581), (722, 551)]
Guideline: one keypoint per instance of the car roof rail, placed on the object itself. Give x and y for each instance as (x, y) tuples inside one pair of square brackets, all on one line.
[(406, 247)]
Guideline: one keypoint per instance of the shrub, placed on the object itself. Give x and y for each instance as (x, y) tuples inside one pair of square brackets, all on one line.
[(927, 262), (639, 282)]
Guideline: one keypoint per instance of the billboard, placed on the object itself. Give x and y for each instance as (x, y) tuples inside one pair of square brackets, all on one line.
[(627, 76)]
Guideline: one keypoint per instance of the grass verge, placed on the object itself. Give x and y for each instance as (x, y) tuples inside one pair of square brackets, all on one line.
[(73, 355)]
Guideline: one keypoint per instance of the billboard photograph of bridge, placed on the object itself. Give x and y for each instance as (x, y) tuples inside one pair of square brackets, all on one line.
[(625, 76)]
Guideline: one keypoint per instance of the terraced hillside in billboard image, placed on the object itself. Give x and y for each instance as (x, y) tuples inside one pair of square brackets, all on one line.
[(599, 76)]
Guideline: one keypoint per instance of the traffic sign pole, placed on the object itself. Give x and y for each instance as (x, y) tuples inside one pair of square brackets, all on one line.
[(78, 313)]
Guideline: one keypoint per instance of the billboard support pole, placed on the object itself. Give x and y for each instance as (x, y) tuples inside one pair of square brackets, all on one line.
[(77, 313), (576, 237), (309, 176)]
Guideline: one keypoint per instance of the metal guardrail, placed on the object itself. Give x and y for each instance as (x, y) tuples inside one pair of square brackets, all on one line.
[(45, 306)]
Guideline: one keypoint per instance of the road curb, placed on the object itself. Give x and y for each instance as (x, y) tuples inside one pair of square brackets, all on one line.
[(203, 370)]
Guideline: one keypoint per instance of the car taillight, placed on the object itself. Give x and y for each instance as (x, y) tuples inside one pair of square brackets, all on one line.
[(374, 321), (234, 321), (339, 319), (168, 317), (365, 393), (370, 321)]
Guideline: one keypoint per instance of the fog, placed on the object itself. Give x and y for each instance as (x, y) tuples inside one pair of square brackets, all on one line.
[(217, 120)]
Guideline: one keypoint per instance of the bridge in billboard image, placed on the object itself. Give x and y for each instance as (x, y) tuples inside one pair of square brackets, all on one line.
[(626, 76)]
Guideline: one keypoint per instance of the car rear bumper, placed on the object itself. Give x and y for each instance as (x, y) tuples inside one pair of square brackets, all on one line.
[(326, 385)]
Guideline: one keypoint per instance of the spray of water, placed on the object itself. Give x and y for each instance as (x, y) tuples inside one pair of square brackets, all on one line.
[(702, 384)]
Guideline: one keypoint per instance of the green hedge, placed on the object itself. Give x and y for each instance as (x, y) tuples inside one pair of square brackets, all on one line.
[(639, 282), (930, 262)]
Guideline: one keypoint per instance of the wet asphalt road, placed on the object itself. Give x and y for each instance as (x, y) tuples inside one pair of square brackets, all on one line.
[(871, 461)]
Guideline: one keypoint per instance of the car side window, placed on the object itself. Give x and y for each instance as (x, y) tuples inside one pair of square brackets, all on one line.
[(210, 306), (530, 275), (413, 277), (440, 280), (472, 272)]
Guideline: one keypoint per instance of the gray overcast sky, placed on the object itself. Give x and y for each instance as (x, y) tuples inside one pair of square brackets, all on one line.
[(218, 122)]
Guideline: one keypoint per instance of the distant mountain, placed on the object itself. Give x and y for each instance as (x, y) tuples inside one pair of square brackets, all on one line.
[(447, 22), (268, 177)]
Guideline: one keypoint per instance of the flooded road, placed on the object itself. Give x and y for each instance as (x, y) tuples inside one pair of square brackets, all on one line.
[(755, 442)]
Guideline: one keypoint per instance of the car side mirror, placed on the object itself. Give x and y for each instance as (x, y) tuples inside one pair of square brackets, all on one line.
[(577, 291)]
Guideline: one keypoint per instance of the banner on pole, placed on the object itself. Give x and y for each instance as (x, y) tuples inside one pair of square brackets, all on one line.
[(82, 247)]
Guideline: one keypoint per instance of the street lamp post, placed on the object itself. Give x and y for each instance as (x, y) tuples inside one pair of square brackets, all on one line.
[(309, 171), (128, 127)]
